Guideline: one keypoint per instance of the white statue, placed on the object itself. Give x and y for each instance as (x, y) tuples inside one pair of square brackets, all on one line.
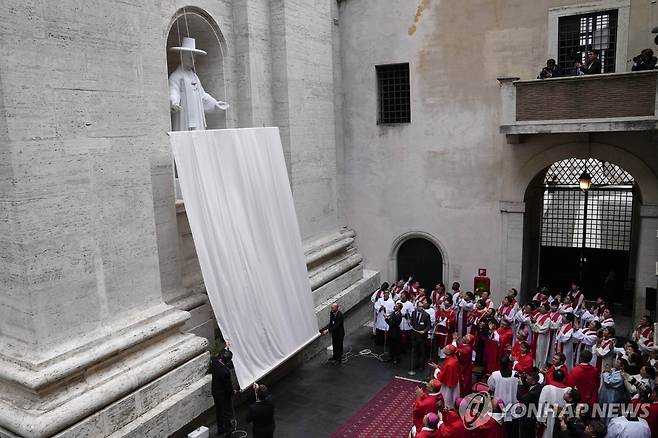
[(187, 98)]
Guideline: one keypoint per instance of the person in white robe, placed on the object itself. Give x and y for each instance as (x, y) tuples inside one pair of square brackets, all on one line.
[(541, 328), (188, 100), (383, 307), (373, 298), (564, 340), (622, 427), (465, 305), (550, 400), (585, 338), (522, 319), (504, 384)]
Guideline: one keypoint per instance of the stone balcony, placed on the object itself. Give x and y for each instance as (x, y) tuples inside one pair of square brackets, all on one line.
[(579, 104)]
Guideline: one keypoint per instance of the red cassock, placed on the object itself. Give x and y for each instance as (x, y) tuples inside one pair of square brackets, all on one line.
[(429, 434), (496, 350), (524, 363), (549, 375), (465, 357), (449, 374), (490, 429), (453, 426), (516, 350), (422, 406), (586, 378)]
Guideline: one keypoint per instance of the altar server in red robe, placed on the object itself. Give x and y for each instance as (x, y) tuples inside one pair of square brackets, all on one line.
[(500, 345), (557, 364), (521, 337), (586, 378), (525, 361), (449, 376), (465, 357)]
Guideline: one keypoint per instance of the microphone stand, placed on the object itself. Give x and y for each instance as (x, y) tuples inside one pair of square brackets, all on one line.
[(411, 359)]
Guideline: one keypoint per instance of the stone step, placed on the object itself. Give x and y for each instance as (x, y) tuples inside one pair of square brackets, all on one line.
[(339, 283)]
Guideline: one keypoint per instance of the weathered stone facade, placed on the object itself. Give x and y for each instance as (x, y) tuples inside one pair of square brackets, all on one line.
[(104, 324)]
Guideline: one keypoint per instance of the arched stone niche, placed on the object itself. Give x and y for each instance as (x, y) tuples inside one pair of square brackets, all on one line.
[(196, 23)]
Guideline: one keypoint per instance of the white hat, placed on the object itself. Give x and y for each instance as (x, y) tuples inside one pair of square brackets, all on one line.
[(189, 45)]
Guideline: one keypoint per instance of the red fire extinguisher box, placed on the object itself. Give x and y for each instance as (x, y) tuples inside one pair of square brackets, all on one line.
[(481, 281)]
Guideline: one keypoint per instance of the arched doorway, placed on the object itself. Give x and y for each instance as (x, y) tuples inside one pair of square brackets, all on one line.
[(420, 258), (582, 236)]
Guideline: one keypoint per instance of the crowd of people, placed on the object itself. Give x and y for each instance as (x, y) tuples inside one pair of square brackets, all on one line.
[(558, 350), (644, 61)]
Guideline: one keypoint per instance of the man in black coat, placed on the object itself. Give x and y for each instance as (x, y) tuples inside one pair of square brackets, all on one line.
[(528, 393), (261, 413), (420, 325), (222, 391), (394, 332), (337, 330), (593, 64)]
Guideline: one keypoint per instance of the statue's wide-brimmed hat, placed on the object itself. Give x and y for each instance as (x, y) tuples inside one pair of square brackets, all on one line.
[(188, 45)]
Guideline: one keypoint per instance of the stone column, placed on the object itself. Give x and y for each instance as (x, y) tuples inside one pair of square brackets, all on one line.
[(647, 256), (88, 347), (511, 253)]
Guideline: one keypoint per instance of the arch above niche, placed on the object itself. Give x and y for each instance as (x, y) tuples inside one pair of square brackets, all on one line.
[(646, 179), (211, 68), (397, 243)]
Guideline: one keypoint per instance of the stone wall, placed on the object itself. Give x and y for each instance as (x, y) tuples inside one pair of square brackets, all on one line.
[(450, 174)]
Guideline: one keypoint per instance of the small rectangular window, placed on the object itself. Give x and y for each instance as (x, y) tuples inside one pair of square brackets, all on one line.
[(393, 93)]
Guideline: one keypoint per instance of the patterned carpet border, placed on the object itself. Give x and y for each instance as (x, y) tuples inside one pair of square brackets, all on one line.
[(386, 415)]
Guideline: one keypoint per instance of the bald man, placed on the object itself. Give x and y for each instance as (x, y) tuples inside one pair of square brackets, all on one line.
[(337, 331)]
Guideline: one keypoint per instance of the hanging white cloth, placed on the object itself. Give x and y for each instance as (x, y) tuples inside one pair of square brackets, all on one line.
[(241, 213)]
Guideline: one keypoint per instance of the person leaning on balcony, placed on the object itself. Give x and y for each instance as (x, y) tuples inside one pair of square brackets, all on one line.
[(552, 70), (593, 65), (644, 61)]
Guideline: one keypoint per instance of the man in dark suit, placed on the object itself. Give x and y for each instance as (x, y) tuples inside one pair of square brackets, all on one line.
[(593, 65), (394, 333), (222, 391), (261, 413), (420, 325), (528, 393), (337, 331)]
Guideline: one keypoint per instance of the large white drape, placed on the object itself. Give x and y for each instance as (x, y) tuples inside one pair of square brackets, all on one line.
[(241, 212)]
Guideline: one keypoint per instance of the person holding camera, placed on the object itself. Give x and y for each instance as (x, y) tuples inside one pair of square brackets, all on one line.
[(223, 391), (644, 61), (552, 70), (261, 413)]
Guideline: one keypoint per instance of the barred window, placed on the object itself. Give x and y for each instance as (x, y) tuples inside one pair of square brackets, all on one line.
[(600, 218), (393, 93), (578, 34)]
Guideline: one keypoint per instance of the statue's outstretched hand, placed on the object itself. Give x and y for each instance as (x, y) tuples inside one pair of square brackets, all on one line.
[(175, 108), (222, 105)]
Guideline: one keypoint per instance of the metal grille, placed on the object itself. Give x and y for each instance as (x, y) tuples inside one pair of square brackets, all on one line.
[(603, 173), (577, 34), (604, 214), (393, 87), (609, 216), (562, 219)]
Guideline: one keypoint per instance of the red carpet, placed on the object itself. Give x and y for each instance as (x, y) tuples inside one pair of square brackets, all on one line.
[(386, 415)]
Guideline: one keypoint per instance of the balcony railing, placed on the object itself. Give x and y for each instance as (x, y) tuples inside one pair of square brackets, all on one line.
[(596, 103)]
